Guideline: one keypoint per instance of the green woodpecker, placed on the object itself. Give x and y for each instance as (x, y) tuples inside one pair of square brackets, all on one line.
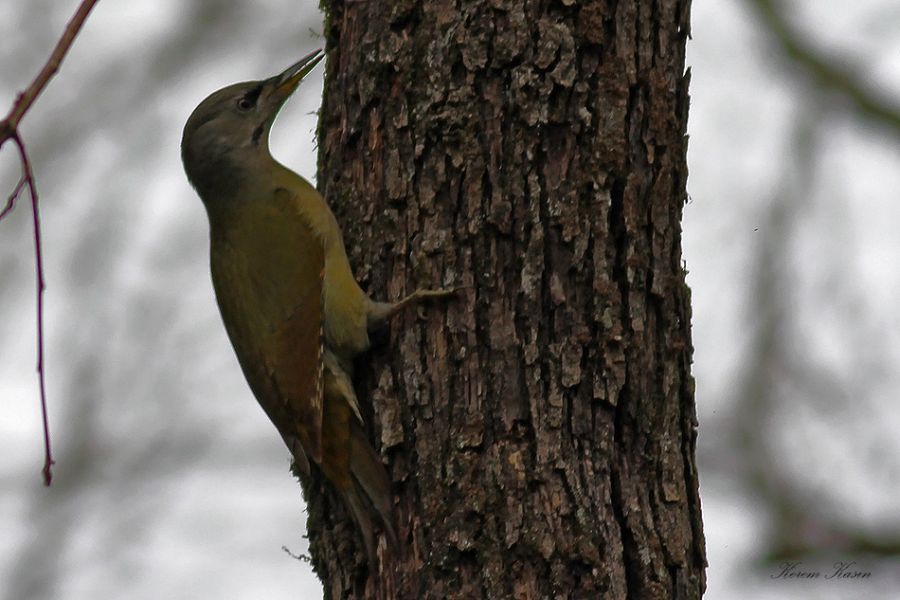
[(291, 305)]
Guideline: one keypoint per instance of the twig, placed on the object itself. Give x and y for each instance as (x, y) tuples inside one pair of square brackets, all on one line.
[(301, 557), (9, 130), (11, 201), (10, 125), (27, 180)]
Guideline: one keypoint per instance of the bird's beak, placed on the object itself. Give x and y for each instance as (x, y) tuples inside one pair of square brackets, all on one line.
[(287, 81)]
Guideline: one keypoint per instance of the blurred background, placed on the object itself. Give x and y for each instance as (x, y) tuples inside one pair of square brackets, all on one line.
[(171, 483)]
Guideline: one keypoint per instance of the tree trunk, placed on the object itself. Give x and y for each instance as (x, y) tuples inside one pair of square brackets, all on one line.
[(539, 429)]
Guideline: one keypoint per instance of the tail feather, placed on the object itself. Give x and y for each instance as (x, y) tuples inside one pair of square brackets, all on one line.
[(372, 480), (363, 519), (351, 464)]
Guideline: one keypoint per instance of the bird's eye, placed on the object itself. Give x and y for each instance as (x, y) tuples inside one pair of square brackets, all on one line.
[(245, 103)]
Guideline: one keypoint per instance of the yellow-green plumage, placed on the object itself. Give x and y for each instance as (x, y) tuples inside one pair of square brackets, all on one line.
[(292, 308)]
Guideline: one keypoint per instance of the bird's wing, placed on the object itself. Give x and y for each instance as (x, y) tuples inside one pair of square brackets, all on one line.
[(342, 385), (296, 352)]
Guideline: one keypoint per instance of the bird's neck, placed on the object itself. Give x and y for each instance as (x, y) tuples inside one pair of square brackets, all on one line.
[(228, 181)]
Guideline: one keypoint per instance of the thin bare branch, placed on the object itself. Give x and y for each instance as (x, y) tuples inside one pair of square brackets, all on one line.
[(10, 125), (13, 196), (9, 130), (28, 181)]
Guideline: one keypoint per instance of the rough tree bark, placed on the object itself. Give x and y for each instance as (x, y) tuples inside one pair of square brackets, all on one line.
[(540, 430)]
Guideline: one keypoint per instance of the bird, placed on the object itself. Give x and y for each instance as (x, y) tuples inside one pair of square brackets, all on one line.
[(292, 308)]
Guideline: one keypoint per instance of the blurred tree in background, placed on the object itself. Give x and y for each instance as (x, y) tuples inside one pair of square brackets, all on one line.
[(801, 432), (170, 482), (787, 368)]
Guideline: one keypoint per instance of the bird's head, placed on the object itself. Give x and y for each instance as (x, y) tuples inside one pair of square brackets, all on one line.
[(229, 130)]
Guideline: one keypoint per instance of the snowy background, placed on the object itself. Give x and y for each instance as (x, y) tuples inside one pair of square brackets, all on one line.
[(170, 482)]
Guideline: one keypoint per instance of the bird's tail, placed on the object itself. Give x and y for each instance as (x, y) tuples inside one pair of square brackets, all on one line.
[(370, 491), (349, 461)]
